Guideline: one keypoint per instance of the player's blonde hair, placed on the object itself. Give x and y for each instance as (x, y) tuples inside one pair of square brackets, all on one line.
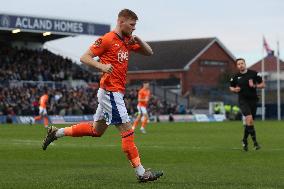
[(126, 13)]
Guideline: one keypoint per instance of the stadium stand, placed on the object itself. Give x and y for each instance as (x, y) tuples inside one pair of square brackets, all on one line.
[(38, 65), (24, 73)]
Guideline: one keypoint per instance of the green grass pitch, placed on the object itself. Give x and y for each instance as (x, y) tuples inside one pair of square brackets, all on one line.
[(192, 155)]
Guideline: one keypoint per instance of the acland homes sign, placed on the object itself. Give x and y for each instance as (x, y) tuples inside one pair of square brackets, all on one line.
[(57, 26)]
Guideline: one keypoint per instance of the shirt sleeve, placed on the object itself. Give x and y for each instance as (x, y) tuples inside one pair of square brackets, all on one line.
[(258, 79), (135, 47), (233, 82), (100, 45)]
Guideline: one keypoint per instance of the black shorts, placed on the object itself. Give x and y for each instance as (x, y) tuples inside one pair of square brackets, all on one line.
[(248, 106)]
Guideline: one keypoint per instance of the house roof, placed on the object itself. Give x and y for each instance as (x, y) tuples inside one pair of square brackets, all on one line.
[(172, 55), (270, 64)]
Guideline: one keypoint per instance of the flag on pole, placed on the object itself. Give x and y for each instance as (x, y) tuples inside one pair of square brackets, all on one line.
[(268, 50)]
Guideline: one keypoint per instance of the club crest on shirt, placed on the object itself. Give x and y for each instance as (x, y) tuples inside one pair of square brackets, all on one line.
[(98, 42)]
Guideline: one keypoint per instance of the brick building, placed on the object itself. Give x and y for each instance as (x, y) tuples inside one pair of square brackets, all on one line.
[(186, 63), (270, 64), (270, 74)]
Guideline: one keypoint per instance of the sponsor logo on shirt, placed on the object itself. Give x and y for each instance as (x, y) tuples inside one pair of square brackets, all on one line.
[(122, 56)]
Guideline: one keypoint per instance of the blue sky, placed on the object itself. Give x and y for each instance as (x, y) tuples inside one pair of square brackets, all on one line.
[(240, 24)]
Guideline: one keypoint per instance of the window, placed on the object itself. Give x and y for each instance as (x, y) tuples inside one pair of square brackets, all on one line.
[(212, 63)]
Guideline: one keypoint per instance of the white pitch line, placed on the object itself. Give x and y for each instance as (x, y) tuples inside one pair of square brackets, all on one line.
[(198, 148)]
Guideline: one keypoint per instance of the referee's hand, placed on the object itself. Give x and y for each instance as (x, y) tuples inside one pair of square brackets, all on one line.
[(237, 89)]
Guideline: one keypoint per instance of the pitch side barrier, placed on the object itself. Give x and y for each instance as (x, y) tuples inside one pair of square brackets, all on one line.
[(191, 118), (52, 119), (80, 118)]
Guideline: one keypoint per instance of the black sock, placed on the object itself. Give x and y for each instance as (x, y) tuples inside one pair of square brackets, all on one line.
[(252, 134), (246, 134)]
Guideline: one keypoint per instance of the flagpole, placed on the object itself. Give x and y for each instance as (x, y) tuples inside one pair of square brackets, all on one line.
[(263, 90), (278, 84)]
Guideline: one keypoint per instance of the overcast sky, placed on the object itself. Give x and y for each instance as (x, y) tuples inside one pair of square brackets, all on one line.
[(239, 24)]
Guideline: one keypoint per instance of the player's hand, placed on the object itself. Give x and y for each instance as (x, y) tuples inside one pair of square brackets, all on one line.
[(133, 40), (237, 89), (106, 68)]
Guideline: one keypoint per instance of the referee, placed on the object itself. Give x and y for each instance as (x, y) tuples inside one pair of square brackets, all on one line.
[(245, 83)]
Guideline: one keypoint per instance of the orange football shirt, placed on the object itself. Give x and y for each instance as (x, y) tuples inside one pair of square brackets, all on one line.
[(143, 94), (112, 49), (43, 101)]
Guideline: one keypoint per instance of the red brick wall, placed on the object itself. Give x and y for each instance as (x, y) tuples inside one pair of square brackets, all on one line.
[(152, 75), (207, 75), (196, 75)]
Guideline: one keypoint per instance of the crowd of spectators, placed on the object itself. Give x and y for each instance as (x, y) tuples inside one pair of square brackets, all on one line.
[(21, 64), (38, 65), (62, 101), (156, 106), (24, 100)]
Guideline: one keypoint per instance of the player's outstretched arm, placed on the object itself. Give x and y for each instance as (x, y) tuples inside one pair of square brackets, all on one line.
[(145, 47), (87, 58)]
